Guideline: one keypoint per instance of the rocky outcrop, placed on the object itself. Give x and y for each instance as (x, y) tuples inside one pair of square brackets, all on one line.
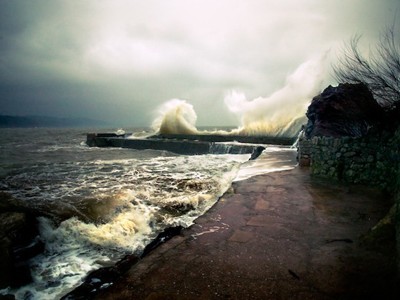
[(345, 110), (256, 152), (19, 241)]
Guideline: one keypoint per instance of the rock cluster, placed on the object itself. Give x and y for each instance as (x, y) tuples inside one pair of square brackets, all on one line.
[(19, 241), (345, 110)]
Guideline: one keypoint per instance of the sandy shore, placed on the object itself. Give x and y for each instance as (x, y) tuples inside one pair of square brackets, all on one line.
[(281, 235)]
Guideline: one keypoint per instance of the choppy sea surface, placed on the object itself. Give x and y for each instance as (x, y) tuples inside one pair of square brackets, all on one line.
[(99, 204)]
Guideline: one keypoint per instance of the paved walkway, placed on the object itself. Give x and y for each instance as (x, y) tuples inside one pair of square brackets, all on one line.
[(280, 235)]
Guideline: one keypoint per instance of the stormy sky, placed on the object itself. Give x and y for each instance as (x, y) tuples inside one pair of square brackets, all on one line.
[(119, 60)]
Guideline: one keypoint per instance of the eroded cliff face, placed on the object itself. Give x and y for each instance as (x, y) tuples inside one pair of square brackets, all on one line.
[(345, 110)]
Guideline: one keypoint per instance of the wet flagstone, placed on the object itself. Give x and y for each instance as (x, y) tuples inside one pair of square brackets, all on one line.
[(281, 235)]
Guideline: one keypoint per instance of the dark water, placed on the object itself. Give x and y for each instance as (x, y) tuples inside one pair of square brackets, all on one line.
[(100, 203)]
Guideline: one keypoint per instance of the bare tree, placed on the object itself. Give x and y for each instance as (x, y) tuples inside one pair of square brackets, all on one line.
[(380, 71)]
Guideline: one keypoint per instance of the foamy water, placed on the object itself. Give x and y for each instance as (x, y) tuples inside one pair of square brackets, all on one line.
[(99, 204), (272, 159)]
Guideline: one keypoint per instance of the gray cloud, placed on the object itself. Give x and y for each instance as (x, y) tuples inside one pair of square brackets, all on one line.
[(120, 60)]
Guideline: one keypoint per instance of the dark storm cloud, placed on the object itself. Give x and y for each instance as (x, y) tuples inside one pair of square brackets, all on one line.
[(119, 60)]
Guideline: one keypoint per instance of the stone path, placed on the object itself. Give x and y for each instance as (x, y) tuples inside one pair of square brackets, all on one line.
[(280, 235)]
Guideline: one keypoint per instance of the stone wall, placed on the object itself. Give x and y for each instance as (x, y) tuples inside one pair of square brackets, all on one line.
[(372, 160)]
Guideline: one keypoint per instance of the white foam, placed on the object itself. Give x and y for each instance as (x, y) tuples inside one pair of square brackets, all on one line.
[(131, 199), (272, 159), (176, 117)]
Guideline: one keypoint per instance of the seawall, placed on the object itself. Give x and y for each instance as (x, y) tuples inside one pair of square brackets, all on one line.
[(188, 144), (251, 139)]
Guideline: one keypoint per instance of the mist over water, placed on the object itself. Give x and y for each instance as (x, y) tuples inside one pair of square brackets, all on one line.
[(281, 114)]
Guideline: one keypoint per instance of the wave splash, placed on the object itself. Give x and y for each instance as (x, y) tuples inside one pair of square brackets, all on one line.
[(281, 114), (176, 117)]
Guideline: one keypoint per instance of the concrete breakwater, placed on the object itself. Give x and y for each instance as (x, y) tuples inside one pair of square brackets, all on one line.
[(188, 144), (250, 139)]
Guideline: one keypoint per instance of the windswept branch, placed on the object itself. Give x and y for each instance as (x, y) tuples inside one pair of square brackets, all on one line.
[(380, 71)]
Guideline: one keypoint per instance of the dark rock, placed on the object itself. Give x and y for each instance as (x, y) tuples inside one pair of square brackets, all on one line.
[(101, 279), (7, 297), (8, 203), (18, 243), (13, 226), (257, 152), (20, 275), (345, 110), (24, 252), (6, 264), (162, 237)]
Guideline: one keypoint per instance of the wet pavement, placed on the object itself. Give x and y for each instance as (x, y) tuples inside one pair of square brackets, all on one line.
[(282, 235)]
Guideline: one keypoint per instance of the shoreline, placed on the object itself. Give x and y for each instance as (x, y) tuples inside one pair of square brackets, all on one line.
[(278, 235)]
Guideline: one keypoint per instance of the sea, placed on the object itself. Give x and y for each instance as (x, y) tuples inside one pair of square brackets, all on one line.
[(99, 204)]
